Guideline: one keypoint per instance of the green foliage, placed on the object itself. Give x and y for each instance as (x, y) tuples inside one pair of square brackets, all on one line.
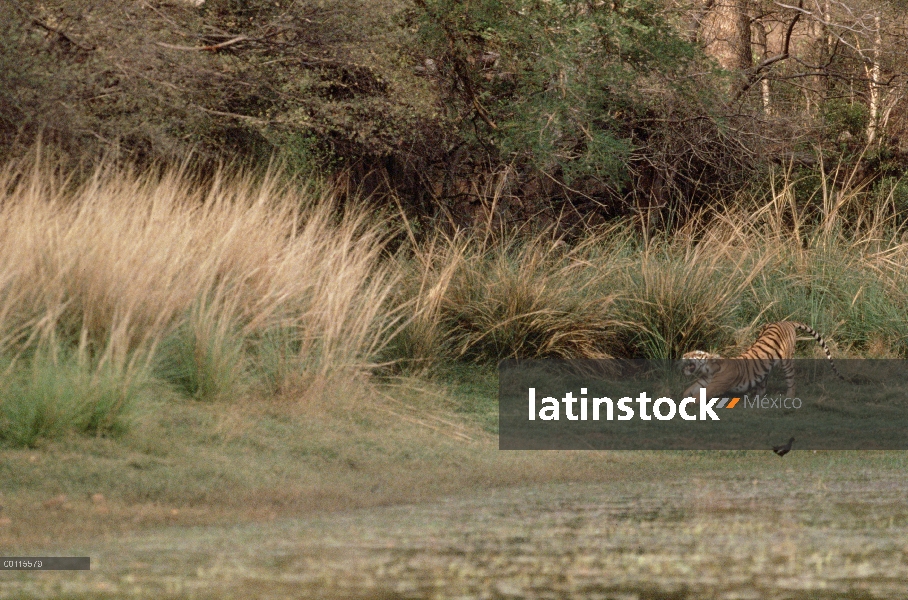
[(893, 191), (300, 153), (830, 289), (840, 116), (561, 86), (593, 106), (321, 85)]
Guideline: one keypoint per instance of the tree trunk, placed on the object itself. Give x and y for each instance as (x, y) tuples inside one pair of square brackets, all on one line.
[(762, 41), (873, 74), (726, 36)]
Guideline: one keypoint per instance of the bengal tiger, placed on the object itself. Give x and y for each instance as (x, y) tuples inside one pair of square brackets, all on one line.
[(775, 345)]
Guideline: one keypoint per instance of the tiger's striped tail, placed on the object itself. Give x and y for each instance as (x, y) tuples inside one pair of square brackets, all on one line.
[(822, 343)]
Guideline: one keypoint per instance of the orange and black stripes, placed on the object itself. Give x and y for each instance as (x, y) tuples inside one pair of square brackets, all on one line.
[(774, 346)]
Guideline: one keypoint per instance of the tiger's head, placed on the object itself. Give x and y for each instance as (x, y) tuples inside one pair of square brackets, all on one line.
[(697, 362)]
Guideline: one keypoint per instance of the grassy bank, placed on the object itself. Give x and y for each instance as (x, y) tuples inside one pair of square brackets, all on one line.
[(187, 351), (127, 286), (186, 463)]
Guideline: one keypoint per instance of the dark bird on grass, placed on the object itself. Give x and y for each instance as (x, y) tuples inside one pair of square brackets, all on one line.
[(784, 449)]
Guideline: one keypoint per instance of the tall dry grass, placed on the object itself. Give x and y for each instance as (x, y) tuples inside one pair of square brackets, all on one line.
[(836, 259), (134, 273), (483, 297), (240, 285)]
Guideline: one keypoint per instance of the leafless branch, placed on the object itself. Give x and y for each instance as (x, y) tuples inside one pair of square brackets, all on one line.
[(39, 23), (756, 73), (212, 48), (247, 118)]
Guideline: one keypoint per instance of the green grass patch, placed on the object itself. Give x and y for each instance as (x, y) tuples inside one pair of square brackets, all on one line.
[(205, 357), (48, 397)]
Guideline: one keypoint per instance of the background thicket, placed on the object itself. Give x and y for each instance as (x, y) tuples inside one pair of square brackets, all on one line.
[(562, 110)]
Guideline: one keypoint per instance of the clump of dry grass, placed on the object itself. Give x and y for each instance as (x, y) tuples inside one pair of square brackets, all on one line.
[(129, 269), (680, 297), (484, 297)]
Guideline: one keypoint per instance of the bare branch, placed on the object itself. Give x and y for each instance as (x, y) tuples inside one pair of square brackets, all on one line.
[(756, 73), (247, 118), (39, 23), (212, 48)]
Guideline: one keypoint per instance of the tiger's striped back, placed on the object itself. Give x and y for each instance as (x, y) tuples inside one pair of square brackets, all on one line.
[(774, 346), (779, 338)]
